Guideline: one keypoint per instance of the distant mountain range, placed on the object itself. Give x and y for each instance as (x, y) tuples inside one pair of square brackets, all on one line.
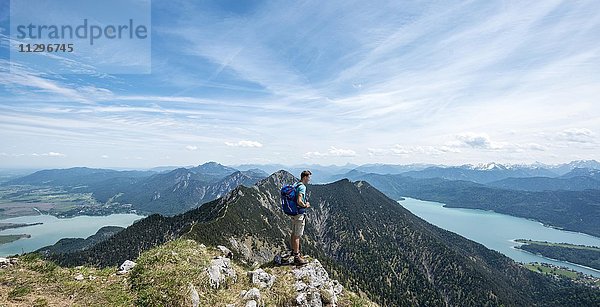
[(147, 192), (328, 173), (562, 169), (174, 192), (320, 173), (76, 176), (363, 238), (593, 173), (578, 179), (562, 195), (481, 173)]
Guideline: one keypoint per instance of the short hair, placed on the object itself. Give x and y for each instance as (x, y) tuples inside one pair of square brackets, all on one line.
[(304, 174)]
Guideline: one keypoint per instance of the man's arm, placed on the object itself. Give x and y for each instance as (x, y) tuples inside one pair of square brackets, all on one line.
[(300, 202)]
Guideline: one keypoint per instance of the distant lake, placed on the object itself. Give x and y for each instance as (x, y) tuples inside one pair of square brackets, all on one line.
[(497, 231), (54, 229)]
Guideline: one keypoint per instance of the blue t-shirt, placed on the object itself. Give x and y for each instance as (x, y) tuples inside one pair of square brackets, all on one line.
[(301, 189)]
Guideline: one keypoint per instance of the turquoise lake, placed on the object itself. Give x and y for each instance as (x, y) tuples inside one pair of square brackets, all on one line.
[(498, 231), (54, 229)]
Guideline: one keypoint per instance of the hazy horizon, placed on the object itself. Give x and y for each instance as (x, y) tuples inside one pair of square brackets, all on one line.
[(234, 165)]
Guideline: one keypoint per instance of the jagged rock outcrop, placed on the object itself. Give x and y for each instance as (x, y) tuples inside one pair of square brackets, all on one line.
[(314, 286), (6, 262), (261, 278), (126, 267), (221, 271)]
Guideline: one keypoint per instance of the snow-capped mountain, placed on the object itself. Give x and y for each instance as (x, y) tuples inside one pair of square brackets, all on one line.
[(486, 166), (564, 168)]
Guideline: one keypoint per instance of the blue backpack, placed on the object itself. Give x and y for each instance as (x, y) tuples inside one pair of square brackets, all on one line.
[(288, 200)]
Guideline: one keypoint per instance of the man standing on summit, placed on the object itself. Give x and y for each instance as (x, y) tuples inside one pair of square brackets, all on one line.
[(298, 220)]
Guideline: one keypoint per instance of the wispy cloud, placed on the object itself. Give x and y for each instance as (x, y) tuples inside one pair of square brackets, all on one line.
[(579, 135), (244, 144), (411, 151), (45, 154), (331, 152), (49, 154)]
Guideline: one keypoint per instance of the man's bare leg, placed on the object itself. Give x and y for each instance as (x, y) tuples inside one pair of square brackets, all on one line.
[(298, 259), (295, 243)]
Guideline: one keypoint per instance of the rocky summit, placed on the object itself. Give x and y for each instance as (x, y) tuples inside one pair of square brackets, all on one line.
[(178, 273)]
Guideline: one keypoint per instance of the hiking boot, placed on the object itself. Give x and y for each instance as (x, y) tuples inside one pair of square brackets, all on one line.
[(298, 260)]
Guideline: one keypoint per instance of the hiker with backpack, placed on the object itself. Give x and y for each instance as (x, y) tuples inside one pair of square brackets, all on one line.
[(294, 202)]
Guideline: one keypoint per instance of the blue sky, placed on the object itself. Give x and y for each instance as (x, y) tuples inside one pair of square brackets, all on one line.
[(327, 82)]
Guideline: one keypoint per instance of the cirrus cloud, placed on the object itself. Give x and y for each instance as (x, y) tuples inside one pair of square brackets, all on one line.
[(331, 152), (244, 144), (577, 135), (49, 154), (406, 150)]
